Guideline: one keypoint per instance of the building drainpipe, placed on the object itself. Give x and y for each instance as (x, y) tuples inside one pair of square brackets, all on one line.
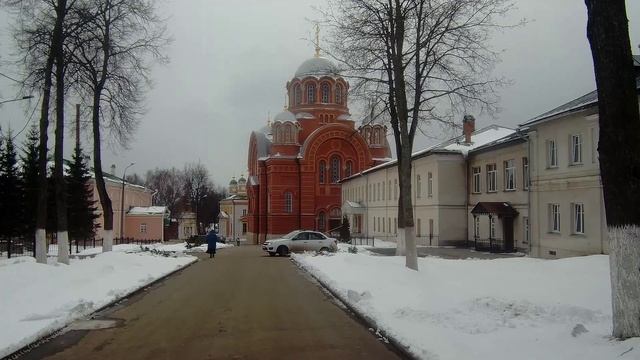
[(529, 194), (466, 197), (299, 193), (266, 187)]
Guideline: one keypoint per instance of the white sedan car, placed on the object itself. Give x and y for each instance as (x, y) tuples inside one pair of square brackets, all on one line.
[(300, 240)]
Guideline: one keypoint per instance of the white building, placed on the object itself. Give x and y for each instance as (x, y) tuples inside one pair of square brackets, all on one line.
[(232, 222)]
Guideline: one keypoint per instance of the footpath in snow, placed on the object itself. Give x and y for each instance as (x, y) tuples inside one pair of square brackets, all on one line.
[(39, 299), (516, 308)]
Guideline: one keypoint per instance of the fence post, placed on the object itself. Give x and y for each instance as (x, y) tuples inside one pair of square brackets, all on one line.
[(9, 247)]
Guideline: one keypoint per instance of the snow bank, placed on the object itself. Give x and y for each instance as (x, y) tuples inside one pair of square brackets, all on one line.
[(518, 308), (38, 299), (177, 248)]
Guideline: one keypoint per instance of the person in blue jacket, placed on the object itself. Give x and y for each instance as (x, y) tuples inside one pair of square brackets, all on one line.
[(212, 239)]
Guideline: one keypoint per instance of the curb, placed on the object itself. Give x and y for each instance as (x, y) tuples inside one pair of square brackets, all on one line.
[(54, 333), (370, 322)]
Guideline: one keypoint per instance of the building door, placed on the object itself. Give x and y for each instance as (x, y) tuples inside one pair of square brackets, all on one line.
[(430, 232), (507, 229)]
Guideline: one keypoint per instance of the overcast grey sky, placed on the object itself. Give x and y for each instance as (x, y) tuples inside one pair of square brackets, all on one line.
[(230, 61)]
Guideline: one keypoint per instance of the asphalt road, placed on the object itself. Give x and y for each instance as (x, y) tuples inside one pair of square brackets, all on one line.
[(241, 305)]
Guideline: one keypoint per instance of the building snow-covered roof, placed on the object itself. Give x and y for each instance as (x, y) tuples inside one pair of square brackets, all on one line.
[(223, 214), (456, 145), (148, 210), (317, 66)]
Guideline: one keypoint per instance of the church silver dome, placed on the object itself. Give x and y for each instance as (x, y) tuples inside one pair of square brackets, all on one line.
[(316, 66), (285, 115)]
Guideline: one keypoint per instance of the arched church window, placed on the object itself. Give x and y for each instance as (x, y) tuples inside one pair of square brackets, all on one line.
[(335, 169), (321, 221), (287, 134), (297, 93), (279, 135), (348, 169), (376, 136), (311, 93), (325, 93), (338, 94), (322, 169), (335, 213)]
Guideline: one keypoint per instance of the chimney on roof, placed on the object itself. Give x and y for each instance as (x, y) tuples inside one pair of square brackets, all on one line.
[(468, 127), (113, 169)]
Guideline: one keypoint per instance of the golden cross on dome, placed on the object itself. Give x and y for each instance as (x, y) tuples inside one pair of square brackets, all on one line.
[(317, 40)]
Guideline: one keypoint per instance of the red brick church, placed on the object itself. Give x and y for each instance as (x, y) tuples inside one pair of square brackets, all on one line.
[(297, 161)]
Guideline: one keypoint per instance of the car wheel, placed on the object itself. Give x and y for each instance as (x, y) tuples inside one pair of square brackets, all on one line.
[(324, 249), (272, 254), (283, 250)]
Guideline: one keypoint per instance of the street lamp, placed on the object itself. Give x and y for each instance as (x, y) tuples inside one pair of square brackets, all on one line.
[(198, 198), (18, 99), (124, 173)]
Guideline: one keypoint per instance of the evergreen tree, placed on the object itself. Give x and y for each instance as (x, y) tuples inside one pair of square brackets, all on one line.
[(29, 176), (345, 230), (10, 190), (82, 210)]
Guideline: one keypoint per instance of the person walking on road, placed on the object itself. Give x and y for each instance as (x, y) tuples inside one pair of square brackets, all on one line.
[(212, 239)]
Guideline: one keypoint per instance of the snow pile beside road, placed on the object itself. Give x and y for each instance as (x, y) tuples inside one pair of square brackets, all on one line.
[(38, 299), (179, 248), (518, 308)]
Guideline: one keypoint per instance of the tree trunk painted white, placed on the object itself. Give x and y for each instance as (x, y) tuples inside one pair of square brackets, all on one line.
[(107, 241), (411, 248), (625, 280), (402, 246), (41, 246), (63, 247)]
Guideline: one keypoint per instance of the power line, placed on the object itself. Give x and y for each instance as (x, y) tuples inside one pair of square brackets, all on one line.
[(10, 78), (28, 120)]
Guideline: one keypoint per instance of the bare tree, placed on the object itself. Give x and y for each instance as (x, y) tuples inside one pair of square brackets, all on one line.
[(40, 36), (421, 61), (113, 58), (618, 150), (169, 183), (197, 186)]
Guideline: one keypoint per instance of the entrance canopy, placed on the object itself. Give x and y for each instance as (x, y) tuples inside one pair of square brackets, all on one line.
[(501, 209), (352, 207)]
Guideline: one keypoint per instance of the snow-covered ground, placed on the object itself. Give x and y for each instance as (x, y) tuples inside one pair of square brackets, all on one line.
[(38, 299), (175, 247), (517, 308)]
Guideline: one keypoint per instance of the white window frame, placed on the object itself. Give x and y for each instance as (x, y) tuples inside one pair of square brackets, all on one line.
[(326, 93), (578, 218), (510, 175), (429, 184), (492, 227), (143, 228), (552, 154), (554, 218), (525, 226), (418, 186), (492, 178), (576, 149), (477, 173), (311, 93)]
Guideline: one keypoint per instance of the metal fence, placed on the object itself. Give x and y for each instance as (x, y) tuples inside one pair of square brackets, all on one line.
[(363, 240), (490, 245), (14, 247)]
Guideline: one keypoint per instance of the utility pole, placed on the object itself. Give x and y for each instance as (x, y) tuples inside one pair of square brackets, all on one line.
[(77, 126)]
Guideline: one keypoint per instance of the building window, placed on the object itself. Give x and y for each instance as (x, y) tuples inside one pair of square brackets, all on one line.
[(339, 94), (576, 149), (244, 212), (288, 202), (311, 93), (335, 169), (383, 192), (525, 222), (321, 221), (578, 218), (322, 170), (374, 224), (525, 173), (419, 227), (143, 228), (325, 93), (510, 175), (492, 178), (552, 154), (492, 227), (418, 186), (378, 191), (429, 184), (383, 227), (554, 218), (244, 228), (279, 137), (297, 93), (477, 171), (476, 227), (395, 189), (395, 225), (378, 219), (348, 169)]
